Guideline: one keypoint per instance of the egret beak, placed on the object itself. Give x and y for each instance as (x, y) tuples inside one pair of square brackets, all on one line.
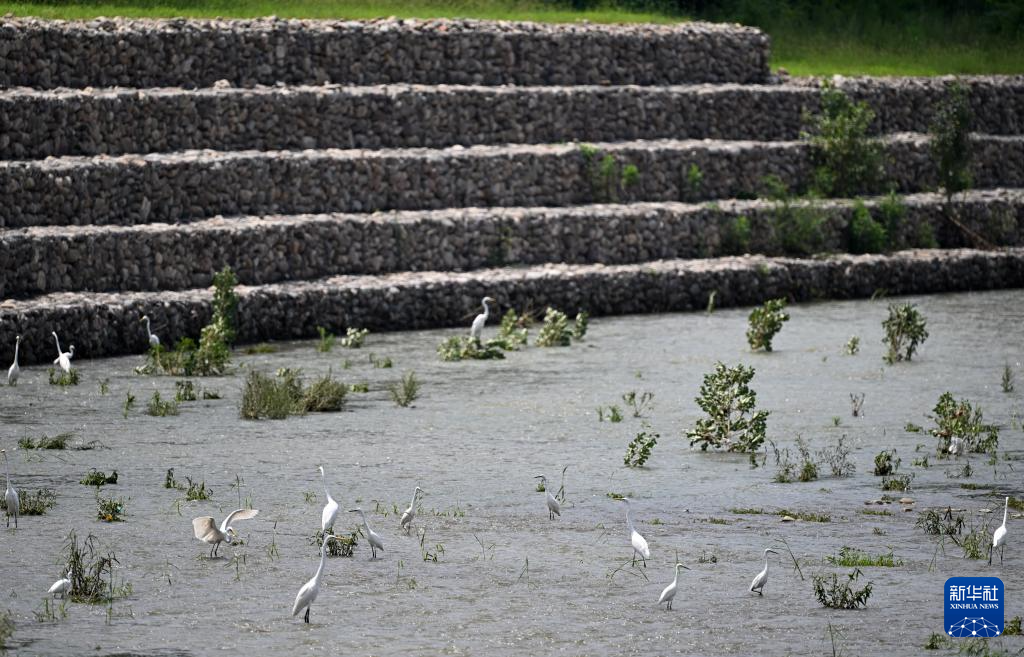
[(772, 551), (679, 565), (353, 510)]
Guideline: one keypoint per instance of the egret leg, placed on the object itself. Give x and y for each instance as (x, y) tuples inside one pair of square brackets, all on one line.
[(669, 607), (634, 557), (1001, 548), (990, 555), (307, 614), (760, 591)]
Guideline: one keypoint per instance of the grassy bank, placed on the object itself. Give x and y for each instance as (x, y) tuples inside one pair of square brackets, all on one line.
[(910, 44)]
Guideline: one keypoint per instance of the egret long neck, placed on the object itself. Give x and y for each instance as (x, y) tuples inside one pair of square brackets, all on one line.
[(7, 470), (57, 340), (629, 518), (1006, 508), (487, 311), (365, 524), (765, 563), (17, 345), (323, 558), (412, 505), (324, 477)]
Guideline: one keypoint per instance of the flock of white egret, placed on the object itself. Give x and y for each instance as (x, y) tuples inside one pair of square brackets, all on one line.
[(206, 529)]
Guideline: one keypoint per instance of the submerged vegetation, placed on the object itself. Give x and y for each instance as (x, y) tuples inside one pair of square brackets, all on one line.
[(904, 332), (640, 448), (765, 322), (960, 428), (837, 593), (277, 397), (732, 420)]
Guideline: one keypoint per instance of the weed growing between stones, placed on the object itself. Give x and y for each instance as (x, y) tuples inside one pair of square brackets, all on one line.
[(848, 161), (834, 593), (354, 338), (693, 183), (736, 236), (904, 332), (951, 141), (326, 342), (608, 179), (733, 422), (99, 478), (765, 322), (851, 557), (405, 392), (960, 428), (865, 234), (797, 227), (161, 407), (640, 448), (886, 463), (62, 378)]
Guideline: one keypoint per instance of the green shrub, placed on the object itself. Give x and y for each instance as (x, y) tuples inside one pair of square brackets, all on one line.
[(607, 177), (555, 331), (326, 342), (405, 391), (951, 141), (960, 422), (514, 330), (886, 463), (184, 391), (640, 448), (765, 322), (110, 509), (272, 398), (847, 160), (63, 379), (851, 557), (736, 236), (33, 503), (837, 594), (904, 331), (865, 234), (325, 395), (693, 183), (99, 478), (354, 338), (797, 227), (732, 421), (160, 407), (460, 347)]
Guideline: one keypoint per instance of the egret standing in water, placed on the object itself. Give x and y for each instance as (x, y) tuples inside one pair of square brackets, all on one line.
[(554, 508), (999, 537), (62, 586), (330, 512), (153, 340), (207, 531), (478, 324), (311, 589), (10, 495), (15, 371), (410, 514), (372, 537), (638, 542), (63, 357), (762, 577), (670, 591)]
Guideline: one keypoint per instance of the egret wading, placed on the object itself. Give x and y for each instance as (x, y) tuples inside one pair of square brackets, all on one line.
[(330, 512), (206, 529), (63, 357), (638, 542), (372, 537), (61, 586), (10, 495), (153, 340), (762, 577), (311, 589), (669, 593), (410, 514), (15, 371), (999, 537), (478, 324), (554, 508)]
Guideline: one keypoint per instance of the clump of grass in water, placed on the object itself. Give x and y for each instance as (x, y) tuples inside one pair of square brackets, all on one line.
[(838, 458), (614, 414), (184, 391), (60, 441), (897, 482), (326, 342), (105, 387), (325, 395), (555, 331), (405, 391), (640, 448), (904, 332), (360, 387), (260, 348), (946, 523), (856, 404), (807, 516), (161, 407), (850, 557), (1007, 382), (834, 593), (852, 346), (99, 478), (961, 426), (92, 573), (63, 379), (274, 398), (459, 347), (354, 338), (886, 463), (765, 322), (171, 482), (110, 509), (6, 629), (380, 362), (129, 403), (876, 512), (1012, 627), (732, 421), (196, 492), (341, 546), (937, 641), (789, 471), (640, 404), (514, 331), (33, 503)]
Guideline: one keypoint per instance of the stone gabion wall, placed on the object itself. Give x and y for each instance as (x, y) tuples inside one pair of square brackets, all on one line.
[(74, 122), (198, 53), (193, 185), (108, 324), (280, 248)]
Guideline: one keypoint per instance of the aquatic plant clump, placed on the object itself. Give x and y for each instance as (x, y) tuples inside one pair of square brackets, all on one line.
[(555, 331), (834, 593), (354, 338), (733, 422), (460, 347), (91, 572), (765, 322), (640, 448), (960, 428), (904, 332), (405, 392), (62, 378)]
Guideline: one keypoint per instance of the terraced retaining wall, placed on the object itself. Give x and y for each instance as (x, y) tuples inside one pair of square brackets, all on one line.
[(197, 53), (279, 248), (107, 324), (197, 184), (115, 121)]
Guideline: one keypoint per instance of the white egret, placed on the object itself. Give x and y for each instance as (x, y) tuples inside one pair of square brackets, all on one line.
[(207, 531), (10, 495), (956, 446), (63, 357), (15, 371), (409, 514), (638, 542), (372, 537), (762, 577), (62, 586), (554, 508), (670, 591), (153, 340), (330, 512), (481, 319), (999, 537), (311, 589)]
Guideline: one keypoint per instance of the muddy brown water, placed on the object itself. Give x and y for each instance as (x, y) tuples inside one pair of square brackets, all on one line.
[(474, 441)]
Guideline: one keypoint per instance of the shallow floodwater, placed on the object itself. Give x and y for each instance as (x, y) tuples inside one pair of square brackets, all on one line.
[(474, 441)]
